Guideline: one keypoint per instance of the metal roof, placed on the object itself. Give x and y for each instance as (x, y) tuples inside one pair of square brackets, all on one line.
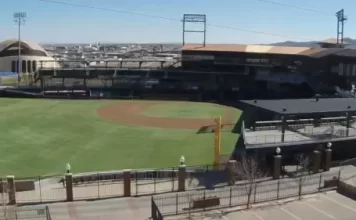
[(268, 49), (246, 48), (305, 106), (30, 44)]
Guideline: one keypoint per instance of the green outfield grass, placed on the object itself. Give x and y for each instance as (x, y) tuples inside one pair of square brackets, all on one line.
[(182, 110), (38, 137)]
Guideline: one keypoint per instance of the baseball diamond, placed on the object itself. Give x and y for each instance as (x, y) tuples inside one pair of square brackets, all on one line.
[(130, 113), (40, 136)]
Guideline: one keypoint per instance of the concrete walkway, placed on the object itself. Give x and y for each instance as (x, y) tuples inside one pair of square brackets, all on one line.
[(124, 208), (52, 190), (139, 207)]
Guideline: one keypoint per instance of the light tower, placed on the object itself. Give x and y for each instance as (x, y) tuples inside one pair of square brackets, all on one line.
[(341, 18), (19, 18), (194, 18)]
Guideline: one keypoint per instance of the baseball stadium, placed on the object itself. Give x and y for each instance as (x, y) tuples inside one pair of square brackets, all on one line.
[(106, 116), (146, 113)]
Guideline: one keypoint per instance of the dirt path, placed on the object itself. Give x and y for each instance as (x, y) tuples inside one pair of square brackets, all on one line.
[(129, 113)]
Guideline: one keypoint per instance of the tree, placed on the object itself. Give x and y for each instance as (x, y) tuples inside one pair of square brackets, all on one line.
[(248, 170), (301, 174)]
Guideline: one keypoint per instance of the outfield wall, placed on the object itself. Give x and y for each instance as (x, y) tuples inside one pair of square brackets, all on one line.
[(115, 93)]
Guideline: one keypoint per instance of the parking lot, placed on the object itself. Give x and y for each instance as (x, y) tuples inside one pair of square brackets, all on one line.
[(324, 206)]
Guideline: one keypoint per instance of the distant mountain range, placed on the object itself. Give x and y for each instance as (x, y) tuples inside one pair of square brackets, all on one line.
[(352, 43)]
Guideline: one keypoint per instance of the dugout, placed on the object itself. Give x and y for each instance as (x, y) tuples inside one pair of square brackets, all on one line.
[(66, 93)]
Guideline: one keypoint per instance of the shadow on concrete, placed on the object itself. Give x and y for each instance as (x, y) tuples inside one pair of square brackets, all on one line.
[(209, 179)]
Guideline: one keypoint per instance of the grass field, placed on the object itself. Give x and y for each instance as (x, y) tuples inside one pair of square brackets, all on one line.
[(38, 137), (182, 110)]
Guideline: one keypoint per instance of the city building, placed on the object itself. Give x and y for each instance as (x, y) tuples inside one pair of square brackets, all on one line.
[(33, 56)]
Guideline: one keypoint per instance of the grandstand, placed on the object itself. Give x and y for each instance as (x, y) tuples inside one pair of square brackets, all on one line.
[(214, 72)]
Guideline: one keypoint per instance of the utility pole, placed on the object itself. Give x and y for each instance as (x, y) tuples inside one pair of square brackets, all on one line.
[(19, 18)]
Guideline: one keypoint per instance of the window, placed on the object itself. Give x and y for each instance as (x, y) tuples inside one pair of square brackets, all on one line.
[(24, 69), (29, 65), (34, 66), (13, 66), (341, 69)]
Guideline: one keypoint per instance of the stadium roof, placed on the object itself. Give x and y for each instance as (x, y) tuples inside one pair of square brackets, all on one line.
[(8, 44), (305, 106), (268, 49)]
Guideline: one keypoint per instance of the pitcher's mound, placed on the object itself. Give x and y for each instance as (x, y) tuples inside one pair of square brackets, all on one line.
[(129, 113)]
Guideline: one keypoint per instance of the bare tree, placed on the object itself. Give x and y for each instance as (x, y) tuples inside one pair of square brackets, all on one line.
[(248, 170), (190, 201), (301, 174), (303, 162)]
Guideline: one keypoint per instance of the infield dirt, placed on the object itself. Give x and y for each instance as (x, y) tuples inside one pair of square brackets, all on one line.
[(130, 114)]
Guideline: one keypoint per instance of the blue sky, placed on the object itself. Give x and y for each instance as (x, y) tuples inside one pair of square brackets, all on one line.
[(48, 22)]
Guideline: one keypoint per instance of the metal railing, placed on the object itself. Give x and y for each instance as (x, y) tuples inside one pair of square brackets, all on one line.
[(346, 178), (262, 125), (98, 186), (111, 184), (343, 166), (242, 194), (124, 64), (41, 189), (155, 213), (155, 181), (22, 213), (308, 136)]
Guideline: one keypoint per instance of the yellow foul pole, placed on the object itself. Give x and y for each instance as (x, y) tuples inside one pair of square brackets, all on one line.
[(217, 144)]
